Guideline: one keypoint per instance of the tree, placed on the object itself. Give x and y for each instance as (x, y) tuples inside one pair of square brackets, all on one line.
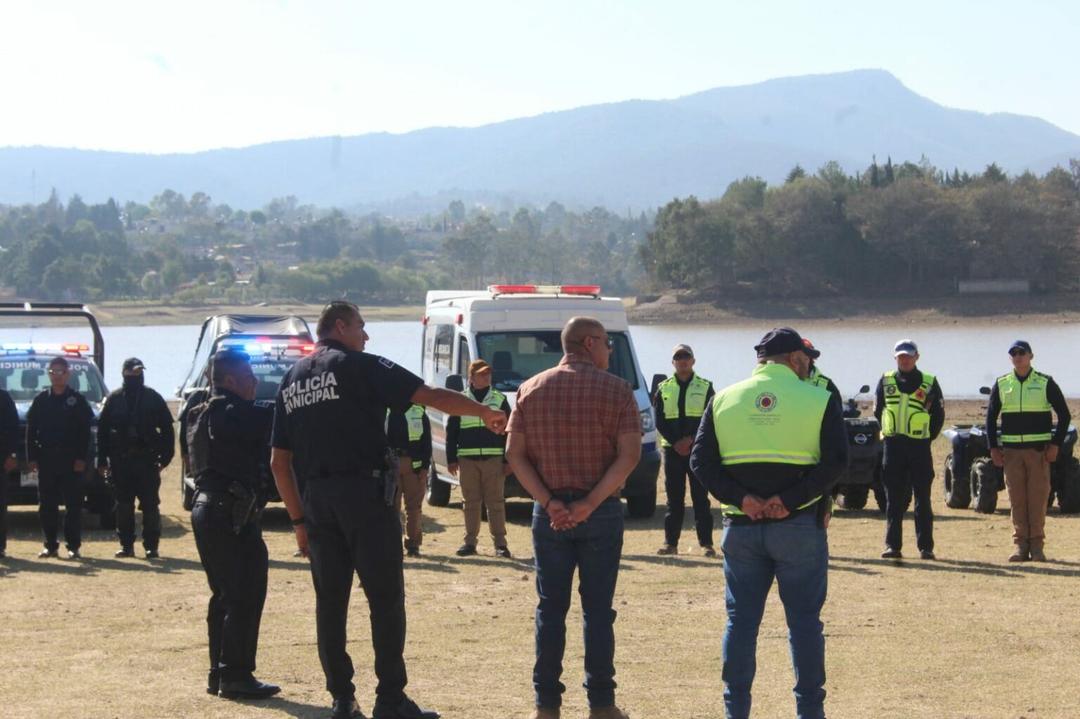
[(797, 173)]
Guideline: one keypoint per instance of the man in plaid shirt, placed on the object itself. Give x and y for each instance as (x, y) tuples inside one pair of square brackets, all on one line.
[(574, 438)]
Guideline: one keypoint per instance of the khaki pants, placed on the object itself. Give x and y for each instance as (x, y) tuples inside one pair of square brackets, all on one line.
[(412, 490), (1027, 477), (483, 483)]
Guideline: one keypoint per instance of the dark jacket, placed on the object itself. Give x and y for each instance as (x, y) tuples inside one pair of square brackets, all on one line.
[(228, 440), (9, 426), (135, 421), (58, 428)]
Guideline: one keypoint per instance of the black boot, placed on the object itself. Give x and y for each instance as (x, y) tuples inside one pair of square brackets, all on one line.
[(247, 688)]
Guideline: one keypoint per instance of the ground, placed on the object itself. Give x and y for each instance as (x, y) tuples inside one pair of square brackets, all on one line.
[(967, 636)]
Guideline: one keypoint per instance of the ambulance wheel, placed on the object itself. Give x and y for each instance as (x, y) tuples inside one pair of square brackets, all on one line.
[(854, 497), (641, 506), (438, 491)]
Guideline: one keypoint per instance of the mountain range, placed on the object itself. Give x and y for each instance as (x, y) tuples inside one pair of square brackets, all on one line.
[(631, 155)]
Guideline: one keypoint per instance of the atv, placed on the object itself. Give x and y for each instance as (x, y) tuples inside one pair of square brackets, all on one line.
[(865, 449), (970, 475)]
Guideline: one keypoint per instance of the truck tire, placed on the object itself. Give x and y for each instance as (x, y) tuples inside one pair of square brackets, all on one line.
[(853, 496), (984, 486), (641, 506), (957, 494), (1069, 488), (438, 491)]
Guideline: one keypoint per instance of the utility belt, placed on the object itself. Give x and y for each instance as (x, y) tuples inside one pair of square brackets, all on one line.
[(377, 485), (243, 501)]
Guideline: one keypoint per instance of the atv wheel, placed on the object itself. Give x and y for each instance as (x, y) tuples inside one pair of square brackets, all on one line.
[(854, 496), (957, 494), (1069, 488), (984, 485), (438, 491), (641, 506)]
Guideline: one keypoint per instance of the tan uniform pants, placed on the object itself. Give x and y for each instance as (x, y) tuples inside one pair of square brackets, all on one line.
[(483, 482), (1027, 477), (412, 490)]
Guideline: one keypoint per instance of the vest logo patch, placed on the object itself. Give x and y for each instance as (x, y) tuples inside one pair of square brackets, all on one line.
[(920, 394), (765, 402), (890, 389)]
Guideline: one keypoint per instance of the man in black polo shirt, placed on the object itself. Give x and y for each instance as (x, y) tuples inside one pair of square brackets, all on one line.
[(329, 430)]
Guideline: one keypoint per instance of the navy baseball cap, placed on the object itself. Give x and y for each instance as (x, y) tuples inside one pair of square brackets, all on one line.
[(1020, 345), (905, 347), (133, 363), (778, 341)]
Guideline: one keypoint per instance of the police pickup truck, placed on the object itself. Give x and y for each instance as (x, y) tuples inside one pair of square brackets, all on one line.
[(24, 374), (273, 342)]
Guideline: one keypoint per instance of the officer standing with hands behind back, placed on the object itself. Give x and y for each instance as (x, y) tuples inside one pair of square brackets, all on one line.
[(329, 430), (228, 438), (135, 442)]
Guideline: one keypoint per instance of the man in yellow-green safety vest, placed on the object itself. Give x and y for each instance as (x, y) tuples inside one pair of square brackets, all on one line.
[(1028, 445), (409, 433), (911, 411), (679, 403), (770, 449), (474, 454)]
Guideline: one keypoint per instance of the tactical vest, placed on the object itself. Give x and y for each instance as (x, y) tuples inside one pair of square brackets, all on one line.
[(693, 403), (905, 413), (773, 417), (205, 456), (475, 439), (1025, 410)]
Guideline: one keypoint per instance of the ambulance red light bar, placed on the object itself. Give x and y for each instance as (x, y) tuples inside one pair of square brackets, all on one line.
[(589, 290)]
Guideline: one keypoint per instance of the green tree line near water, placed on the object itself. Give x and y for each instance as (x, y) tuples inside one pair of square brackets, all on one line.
[(189, 249), (890, 229)]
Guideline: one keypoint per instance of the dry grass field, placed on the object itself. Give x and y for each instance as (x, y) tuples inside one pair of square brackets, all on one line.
[(969, 635)]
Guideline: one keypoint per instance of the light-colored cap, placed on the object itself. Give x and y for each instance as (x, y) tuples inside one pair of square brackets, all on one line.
[(682, 348), (905, 347)]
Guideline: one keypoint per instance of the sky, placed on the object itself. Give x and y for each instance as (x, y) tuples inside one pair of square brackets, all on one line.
[(161, 77)]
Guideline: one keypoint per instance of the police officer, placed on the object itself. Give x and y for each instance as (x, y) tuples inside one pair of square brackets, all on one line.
[(409, 433), (58, 448), (9, 438), (911, 412), (228, 438), (679, 404), (135, 442), (770, 448), (329, 430), (815, 377), (1028, 445), (477, 454)]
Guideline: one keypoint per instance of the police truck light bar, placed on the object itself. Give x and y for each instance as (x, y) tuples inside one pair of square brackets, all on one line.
[(70, 348), (265, 346), (588, 290)]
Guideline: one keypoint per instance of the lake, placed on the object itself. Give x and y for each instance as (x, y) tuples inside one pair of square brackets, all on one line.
[(962, 357)]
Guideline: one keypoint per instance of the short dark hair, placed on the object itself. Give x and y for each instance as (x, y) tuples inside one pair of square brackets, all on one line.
[(59, 362), (225, 363), (336, 310)]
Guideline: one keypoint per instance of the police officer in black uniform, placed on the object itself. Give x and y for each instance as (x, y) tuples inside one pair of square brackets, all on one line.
[(58, 448), (135, 442), (329, 431), (9, 438), (228, 439)]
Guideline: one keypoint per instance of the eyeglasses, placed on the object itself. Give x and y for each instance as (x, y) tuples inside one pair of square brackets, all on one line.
[(58, 372), (606, 340)]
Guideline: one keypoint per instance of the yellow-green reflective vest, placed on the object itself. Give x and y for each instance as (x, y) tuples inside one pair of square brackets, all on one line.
[(414, 418), (817, 379), (474, 427), (693, 404), (772, 417), (905, 413), (1025, 410)]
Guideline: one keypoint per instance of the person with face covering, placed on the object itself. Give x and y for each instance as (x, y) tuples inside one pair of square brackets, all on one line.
[(135, 442)]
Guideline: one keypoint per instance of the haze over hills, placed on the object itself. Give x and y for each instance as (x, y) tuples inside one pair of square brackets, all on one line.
[(627, 155)]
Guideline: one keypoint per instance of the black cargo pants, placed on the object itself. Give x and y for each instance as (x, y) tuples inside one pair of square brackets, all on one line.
[(907, 471), (236, 566), (136, 476), (59, 483), (351, 529), (676, 475)]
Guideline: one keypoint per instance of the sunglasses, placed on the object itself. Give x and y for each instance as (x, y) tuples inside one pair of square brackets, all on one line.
[(58, 372), (682, 356), (1017, 353)]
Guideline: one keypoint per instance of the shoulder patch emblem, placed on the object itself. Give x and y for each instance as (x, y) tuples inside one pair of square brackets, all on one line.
[(765, 402), (386, 363), (70, 402)]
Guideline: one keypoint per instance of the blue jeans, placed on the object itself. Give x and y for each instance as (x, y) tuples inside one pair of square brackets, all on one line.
[(796, 553), (594, 548)]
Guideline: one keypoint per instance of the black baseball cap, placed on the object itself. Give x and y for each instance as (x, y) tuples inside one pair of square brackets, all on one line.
[(133, 363), (778, 341), (1020, 345)]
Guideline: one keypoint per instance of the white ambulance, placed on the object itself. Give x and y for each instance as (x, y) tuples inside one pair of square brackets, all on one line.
[(516, 329)]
